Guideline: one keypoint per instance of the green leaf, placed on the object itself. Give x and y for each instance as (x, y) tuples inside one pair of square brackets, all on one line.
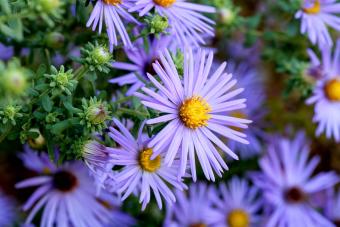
[(58, 128), (47, 103), (5, 6)]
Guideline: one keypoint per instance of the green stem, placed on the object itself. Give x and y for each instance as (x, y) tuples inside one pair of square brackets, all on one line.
[(80, 72), (134, 113), (122, 100)]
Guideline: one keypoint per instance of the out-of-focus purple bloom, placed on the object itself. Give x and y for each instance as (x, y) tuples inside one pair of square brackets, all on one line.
[(198, 111), (237, 203), (140, 173), (315, 16), (184, 19), (142, 60), (287, 183), (7, 211), (194, 208), (38, 162), (112, 12), (252, 82), (333, 206), (118, 217), (326, 95), (68, 198), (6, 52)]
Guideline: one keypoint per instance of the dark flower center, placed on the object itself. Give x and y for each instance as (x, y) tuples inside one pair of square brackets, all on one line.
[(148, 68), (337, 223), (295, 195), (198, 225), (64, 181)]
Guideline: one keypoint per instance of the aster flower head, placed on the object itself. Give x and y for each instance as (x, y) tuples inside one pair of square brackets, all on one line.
[(113, 13), (326, 95), (97, 158), (194, 208), (252, 82), (239, 204), (35, 161), (67, 197), (7, 211), (288, 185), (315, 16), (197, 111), (185, 20), (141, 63), (140, 173)]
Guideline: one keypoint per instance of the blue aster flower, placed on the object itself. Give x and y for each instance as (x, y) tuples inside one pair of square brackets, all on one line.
[(288, 183)]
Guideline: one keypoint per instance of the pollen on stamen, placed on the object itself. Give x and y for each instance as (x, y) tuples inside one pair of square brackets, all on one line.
[(164, 3), (194, 112), (112, 2), (314, 9), (146, 163)]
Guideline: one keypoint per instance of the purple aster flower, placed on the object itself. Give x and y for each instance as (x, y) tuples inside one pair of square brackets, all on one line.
[(197, 111), (194, 208), (249, 79), (288, 185), (7, 211), (333, 206), (142, 60), (185, 20), (326, 96), (68, 198), (140, 173), (239, 204), (35, 161), (315, 16), (112, 12), (6, 52)]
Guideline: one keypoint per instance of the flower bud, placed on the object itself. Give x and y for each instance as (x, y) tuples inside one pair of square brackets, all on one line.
[(49, 6), (101, 55), (97, 113), (36, 143), (15, 80), (55, 40), (226, 16), (158, 24)]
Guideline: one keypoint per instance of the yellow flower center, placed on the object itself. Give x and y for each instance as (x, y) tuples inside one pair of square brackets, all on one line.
[(238, 218), (146, 163), (112, 2), (194, 112), (332, 90), (164, 3), (314, 9)]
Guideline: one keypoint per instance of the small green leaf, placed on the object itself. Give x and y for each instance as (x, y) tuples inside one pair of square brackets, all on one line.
[(47, 103)]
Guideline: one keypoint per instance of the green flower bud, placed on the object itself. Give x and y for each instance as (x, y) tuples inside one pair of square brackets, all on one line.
[(96, 57), (9, 114), (158, 24), (61, 81), (15, 80), (94, 114), (55, 40), (49, 6), (101, 55), (38, 142), (97, 114), (227, 16)]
